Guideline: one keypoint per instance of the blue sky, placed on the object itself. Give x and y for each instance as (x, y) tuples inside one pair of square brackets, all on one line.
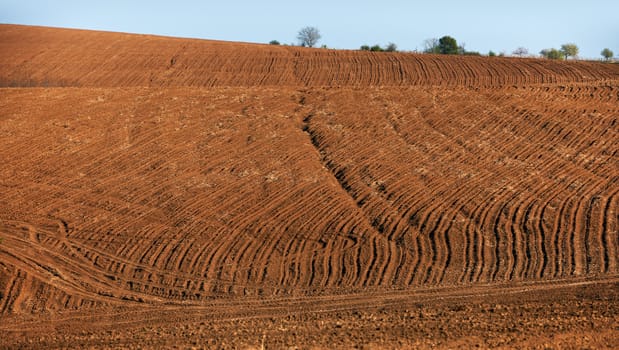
[(481, 24)]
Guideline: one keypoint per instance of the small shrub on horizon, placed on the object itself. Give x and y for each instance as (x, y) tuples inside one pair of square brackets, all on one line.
[(552, 54), (391, 47)]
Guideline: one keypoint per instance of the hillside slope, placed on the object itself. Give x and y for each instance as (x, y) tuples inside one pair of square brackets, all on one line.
[(62, 57), (173, 190)]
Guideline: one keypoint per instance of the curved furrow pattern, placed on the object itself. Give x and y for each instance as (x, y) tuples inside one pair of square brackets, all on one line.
[(465, 171), (99, 59), (610, 242)]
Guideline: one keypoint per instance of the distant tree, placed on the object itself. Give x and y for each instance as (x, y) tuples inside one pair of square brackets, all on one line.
[(391, 47), (552, 54), (376, 48), (520, 52), (274, 42), (364, 48), (431, 46), (308, 36), (569, 50), (607, 54), (491, 53), (448, 45)]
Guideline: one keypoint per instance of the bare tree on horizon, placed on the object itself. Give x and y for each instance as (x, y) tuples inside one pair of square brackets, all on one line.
[(521, 52), (308, 36)]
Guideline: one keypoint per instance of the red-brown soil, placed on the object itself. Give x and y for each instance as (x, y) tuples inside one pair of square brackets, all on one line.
[(160, 191), (55, 57)]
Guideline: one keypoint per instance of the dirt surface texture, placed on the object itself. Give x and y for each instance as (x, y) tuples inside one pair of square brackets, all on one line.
[(163, 192)]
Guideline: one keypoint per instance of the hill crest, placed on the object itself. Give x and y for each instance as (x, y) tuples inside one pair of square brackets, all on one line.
[(43, 56)]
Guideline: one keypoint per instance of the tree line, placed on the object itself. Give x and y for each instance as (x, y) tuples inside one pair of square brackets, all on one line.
[(447, 45)]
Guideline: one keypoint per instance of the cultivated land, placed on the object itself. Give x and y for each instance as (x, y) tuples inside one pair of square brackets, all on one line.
[(160, 191)]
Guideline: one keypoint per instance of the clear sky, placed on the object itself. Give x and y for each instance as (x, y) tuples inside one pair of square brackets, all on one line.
[(482, 25)]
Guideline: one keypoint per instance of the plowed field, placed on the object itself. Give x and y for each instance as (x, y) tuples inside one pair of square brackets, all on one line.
[(160, 191)]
